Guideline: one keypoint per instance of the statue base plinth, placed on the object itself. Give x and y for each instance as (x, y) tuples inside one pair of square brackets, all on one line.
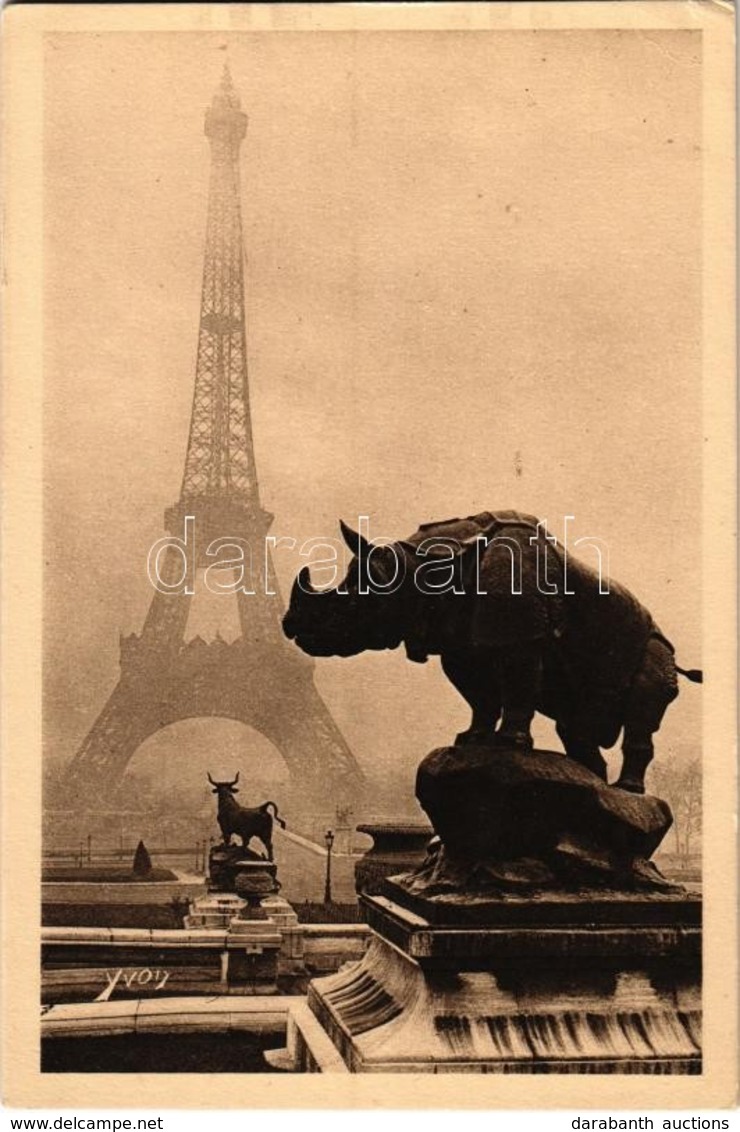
[(583, 907), (603, 985), (535, 937), (215, 910), (253, 950), (227, 863)]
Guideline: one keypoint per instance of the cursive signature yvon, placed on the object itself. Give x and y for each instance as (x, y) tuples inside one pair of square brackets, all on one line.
[(133, 977)]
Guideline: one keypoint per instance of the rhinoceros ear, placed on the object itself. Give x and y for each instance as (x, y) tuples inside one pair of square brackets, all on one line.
[(357, 544)]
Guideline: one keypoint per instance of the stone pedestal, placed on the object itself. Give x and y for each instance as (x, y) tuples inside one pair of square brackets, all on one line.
[(253, 949), (264, 938), (280, 911), (557, 985), (242, 900), (226, 862), (536, 936), (282, 914), (216, 910), (254, 940)]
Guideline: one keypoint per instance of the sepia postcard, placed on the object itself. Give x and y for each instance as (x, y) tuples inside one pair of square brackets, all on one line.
[(369, 673)]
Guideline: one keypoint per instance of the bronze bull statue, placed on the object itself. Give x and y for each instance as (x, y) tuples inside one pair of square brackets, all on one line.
[(241, 821), (519, 627)]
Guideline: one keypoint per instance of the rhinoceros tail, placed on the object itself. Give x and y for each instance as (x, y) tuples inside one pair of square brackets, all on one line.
[(266, 808), (694, 674)]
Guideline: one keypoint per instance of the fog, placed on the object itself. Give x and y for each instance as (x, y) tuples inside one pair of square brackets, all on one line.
[(473, 283)]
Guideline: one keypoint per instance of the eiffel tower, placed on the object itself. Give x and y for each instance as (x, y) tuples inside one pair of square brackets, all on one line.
[(260, 678)]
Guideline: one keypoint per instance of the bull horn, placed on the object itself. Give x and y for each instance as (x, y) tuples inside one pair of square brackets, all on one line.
[(357, 544), (208, 773), (235, 780)]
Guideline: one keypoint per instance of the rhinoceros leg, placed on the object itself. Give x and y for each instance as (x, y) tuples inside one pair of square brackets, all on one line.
[(521, 686), (655, 686), (582, 750), (477, 677)]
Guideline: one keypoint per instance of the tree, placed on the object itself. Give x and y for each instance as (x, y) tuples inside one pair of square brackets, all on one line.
[(679, 783), (142, 861)]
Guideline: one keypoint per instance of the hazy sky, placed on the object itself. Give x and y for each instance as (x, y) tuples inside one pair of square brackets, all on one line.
[(473, 283)]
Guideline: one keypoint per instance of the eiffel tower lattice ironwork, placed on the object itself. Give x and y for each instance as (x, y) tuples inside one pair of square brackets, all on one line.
[(260, 678)]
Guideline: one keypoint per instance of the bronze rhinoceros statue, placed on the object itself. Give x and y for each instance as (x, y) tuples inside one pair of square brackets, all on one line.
[(520, 627)]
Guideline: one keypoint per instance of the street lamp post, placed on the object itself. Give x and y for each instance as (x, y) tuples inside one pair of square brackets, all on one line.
[(328, 841)]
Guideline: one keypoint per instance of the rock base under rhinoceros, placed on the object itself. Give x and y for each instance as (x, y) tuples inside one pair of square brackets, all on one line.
[(515, 823)]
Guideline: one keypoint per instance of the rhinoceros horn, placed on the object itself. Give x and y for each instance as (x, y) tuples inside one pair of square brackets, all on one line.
[(357, 544), (302, 585)]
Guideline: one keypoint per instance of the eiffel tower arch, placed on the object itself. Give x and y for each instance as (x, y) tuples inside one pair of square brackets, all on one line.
[(260, 678)]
